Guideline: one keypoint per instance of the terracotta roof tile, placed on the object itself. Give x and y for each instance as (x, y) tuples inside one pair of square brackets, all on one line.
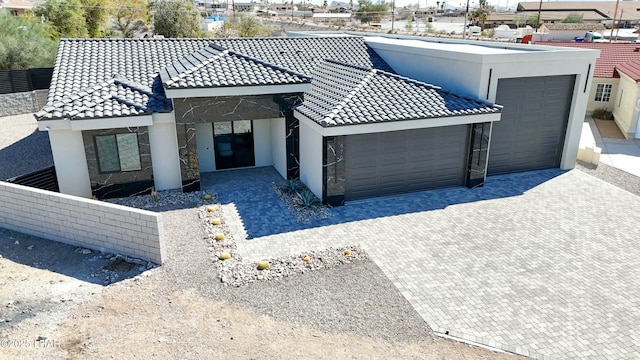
[(612, 55)]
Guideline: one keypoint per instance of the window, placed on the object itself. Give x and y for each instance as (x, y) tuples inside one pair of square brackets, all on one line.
[(603, 92), (620, 97), (118, 152)]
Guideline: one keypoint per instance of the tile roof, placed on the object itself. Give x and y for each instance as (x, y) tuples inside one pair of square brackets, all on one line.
[(303, 54), (83, 63), (112, 98), (631, 69), (86, 63), (215, 66), (612, 55), (344, 94), (627, 10)]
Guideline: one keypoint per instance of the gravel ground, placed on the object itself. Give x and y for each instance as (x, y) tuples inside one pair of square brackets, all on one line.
[(23, 148), (356, 297), (612, 175)]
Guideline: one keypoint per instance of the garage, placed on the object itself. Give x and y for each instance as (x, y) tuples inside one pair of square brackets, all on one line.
[(531, 132), (404, 161)]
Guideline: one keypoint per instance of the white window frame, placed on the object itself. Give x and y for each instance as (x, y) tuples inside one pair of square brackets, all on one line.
[(603, 92)]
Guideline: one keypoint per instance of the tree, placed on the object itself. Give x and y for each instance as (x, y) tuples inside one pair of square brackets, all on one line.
[(409, 25), (575, 18), (129, 16), (369, 12), (176, 19), (534, 20), (25, 43), (96, 14), (481, 14), (66, 17), (75, 18), (244, 26)]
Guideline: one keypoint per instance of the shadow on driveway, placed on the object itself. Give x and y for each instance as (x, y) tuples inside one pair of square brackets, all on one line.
[(263, 212)]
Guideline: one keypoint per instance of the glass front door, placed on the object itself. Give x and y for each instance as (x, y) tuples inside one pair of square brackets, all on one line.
[(233, 142)]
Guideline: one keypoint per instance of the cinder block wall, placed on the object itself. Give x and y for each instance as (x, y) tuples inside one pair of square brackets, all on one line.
[(82, 222), (22, 102)]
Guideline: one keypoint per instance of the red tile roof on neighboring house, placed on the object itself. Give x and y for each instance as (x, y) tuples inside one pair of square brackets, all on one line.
[(623, 57), (631, 69)]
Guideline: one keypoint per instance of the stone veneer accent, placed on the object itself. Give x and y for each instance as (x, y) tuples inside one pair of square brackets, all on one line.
[(116, 184), (478, 152), (82, 222), (333, 170), (287, 103)]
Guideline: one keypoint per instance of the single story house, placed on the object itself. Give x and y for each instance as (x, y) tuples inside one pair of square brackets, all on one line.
[(568, 32), (605, 12), (352, 117), (616, 82)]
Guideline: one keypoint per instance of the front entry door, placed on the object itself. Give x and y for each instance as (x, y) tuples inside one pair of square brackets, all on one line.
[(233, 144)]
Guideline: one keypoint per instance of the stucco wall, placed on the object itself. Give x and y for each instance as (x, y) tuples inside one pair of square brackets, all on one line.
[(69, 158), (262, 142), (278, 146), (22, 102), (592, 105), (474, 70), (626, 115), (82, 222), (311, 159)]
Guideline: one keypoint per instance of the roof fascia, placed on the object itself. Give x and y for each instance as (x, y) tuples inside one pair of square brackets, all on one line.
[(380, 127), (238, 90)]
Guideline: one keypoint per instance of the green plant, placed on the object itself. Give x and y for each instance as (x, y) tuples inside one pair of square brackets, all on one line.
[(305, 199), (154, 195), (575, 18), (292, 186), (602, 114)]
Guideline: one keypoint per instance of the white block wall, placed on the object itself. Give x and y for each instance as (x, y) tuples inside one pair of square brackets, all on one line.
[(82, 222)]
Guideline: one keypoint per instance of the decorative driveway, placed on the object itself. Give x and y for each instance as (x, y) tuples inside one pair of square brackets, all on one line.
[(544, 263)]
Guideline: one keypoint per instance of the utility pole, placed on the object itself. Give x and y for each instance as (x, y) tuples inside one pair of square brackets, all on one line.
[(466, 15), (539, 20), (615, 13), (393, 14)]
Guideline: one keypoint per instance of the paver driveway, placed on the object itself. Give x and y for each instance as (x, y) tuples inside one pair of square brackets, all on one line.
[(545, 263)]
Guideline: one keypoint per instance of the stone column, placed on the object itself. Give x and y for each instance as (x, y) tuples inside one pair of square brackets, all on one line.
[(287, 103), (478, 154), (333, 170)]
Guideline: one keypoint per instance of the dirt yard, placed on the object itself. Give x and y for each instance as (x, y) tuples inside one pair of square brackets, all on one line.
[(54, 304)]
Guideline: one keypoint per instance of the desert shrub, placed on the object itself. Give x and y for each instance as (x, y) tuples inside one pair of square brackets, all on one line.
[(602, 114)]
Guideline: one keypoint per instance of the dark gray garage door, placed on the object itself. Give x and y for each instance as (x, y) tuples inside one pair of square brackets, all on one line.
[(530, 133), (404, 161)]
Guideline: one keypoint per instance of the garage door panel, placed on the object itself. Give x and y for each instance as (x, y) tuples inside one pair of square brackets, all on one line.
[(530, 134), (405, 161)]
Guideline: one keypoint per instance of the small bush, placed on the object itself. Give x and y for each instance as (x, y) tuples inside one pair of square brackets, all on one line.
[(306, 199), (602, 114), (291, 187)]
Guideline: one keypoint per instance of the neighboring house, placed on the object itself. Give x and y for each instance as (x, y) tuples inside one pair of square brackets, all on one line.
[(616, 82), (602, 12), (353, 117), (16, 7), (568, 32)]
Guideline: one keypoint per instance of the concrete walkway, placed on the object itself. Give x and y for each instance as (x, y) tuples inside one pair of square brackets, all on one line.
[(621, 154), (543, 264)]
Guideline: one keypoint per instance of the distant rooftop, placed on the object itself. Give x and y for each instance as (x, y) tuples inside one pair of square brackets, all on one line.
[(613, 57)]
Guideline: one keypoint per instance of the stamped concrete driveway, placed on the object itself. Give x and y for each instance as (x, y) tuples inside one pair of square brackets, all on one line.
[(544, 264)]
